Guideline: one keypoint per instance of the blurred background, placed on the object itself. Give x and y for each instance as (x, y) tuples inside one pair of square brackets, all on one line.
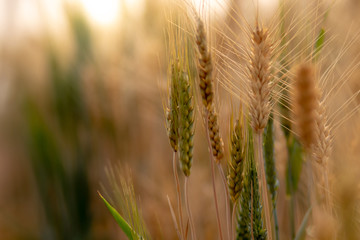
[(79, 92)]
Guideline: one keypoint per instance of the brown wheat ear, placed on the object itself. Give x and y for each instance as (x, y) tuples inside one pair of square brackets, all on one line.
[(323, 145), (322, 149), (205, 66), (305, 105), (260, 78)]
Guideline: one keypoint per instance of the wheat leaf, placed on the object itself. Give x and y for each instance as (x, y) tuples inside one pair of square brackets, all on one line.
[(300, 235), (319, 43), (120, 220)]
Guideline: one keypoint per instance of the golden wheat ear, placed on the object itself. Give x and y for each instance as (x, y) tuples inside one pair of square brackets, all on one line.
[(205, 66), (205, 71), (236, 164), (260, 78), (305, 104)]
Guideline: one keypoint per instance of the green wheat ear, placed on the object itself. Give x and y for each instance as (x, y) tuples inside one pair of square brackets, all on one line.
[(270, 170), (269, 160), (172, 118), (244, 215), (250, 199), (236, 165), (186, 123)]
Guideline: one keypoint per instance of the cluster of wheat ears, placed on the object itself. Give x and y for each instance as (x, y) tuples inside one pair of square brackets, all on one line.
[(275, 74)]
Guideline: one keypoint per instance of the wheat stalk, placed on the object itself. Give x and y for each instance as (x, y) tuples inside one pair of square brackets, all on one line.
[(205, 68), (259, 106)]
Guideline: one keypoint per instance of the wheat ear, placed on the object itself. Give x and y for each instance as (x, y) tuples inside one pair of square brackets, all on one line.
[(172, 115), (305, 105), (186, 132), (250, 224), (205, 70), (236, 164), (322, 149), (186, 123), (205, 66), (260, 85), (305, 116)]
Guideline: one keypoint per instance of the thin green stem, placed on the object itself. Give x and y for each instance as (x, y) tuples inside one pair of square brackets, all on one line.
[(252, 212), (227, 199), (178, 194), (276, 223), (191, 221), (327, 189), (292, 215), (233, 219)]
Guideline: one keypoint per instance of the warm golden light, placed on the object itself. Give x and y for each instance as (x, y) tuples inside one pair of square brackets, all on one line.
[(103, 12)]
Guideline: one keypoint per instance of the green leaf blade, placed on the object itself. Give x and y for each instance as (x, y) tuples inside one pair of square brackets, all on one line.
[(300, 235), (119, 219), (319, 43)]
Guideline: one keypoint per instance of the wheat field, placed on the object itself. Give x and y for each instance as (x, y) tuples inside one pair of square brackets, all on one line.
[(179, 119)]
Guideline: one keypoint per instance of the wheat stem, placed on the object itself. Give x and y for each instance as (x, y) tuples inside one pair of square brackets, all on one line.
[(227, 199), (276, 223), (178, 194), (310, 180), (252, 211), (262, 178), (233, 219), (327, 189), (191, 221)]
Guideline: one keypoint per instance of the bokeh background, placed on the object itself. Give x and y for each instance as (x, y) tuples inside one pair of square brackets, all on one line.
[(81, 90)]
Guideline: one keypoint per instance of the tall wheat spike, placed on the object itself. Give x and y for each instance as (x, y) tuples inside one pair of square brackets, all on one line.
[(322, 149), (205, 71), (236, 165), (305, 105), (172, 115), (250, 225), (205, 66), (186, 123), (260, 80)]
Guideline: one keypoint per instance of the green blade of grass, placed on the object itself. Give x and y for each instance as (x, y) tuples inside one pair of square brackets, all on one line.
[(300, 235), (319, 43), (120, 220)]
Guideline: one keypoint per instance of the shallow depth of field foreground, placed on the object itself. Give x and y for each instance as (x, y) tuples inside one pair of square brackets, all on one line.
[(179, 119)]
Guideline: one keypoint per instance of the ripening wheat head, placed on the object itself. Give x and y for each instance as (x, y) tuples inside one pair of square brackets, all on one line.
[(305, 104)]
